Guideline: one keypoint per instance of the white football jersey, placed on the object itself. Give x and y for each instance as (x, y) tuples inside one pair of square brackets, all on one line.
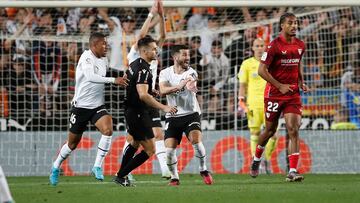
[(185, 100), (134, 54), (90, 81)]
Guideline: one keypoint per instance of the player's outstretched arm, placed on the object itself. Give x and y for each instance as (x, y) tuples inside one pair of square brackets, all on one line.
[(122, 81), (264, 73), (90, 75), (144, 96)]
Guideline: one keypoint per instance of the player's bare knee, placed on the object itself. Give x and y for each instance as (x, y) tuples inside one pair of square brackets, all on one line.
[(159, 136), (107, 131), (150, 151), (293, 131), (72, 145)]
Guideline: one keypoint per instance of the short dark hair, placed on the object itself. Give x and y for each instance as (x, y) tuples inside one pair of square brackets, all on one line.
[(176, 48), (145, 41), (283, 18), (95, 36), (216, 43), (196, 39)]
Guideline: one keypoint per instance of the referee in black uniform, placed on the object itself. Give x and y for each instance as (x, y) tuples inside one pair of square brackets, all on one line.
[(138, 102)]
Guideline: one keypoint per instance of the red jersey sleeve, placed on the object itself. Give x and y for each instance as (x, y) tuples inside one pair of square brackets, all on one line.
[(268, 56)]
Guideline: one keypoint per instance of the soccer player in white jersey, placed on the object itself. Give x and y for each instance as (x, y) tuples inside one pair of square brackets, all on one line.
[(154, 113), (5, 195), (178, 83), (88, 105)]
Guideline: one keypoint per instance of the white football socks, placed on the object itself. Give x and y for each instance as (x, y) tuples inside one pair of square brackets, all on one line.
[(201, 154), (171, 161), (160, 152), (103, 149), (64, 153)]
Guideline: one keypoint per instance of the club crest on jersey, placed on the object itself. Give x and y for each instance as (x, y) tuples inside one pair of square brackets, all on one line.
[(283, 52), (300, 51)]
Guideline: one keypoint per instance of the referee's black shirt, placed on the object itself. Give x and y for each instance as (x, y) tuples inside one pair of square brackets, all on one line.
[(138, 73)]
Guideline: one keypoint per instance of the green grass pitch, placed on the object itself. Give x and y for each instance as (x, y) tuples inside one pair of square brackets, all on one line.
[(152, 189)]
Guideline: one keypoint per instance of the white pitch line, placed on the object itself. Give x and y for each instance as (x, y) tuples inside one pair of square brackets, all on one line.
[(110, 182)]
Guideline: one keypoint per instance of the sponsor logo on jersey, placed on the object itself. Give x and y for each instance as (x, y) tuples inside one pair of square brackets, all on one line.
[(290, 61), (88, 60)]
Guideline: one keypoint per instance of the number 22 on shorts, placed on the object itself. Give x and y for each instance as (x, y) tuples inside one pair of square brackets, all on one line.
[(272, 106)]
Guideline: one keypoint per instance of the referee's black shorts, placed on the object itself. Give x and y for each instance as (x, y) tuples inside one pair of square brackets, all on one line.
[(139, 124)]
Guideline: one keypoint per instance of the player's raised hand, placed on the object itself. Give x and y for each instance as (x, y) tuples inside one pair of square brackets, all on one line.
[(122, 81), (154, 9), (305, 88), (285, 88), (170, 109), (160, 7)]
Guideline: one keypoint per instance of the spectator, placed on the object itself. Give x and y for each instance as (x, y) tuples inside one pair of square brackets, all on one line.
[(350, 92), (122, 37), (240, 47), (337, 42), (208, 34), (341, 121), (198, 20), (73, 19), (21, 27), (44, 20), (230, 36), (174, 21), (47, 61), (216, 73), (21, 91), (195, 57), (84, 26)]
